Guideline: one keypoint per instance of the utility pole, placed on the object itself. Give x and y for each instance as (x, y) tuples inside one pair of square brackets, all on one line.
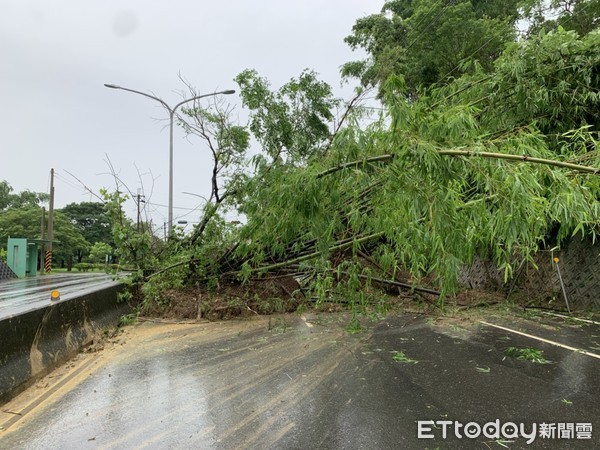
[(48, 256), (42, 234), (42, 231), (139, 200), (171, 111)]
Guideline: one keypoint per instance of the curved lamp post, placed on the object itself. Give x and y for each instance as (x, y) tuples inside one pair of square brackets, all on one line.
[(171, 119)]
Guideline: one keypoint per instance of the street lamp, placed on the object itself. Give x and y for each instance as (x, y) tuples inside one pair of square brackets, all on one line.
[(171, 119)]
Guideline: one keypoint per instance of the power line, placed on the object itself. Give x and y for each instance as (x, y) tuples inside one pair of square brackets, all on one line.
[(429, 13), (188, 213), (174, 207), (427, 28), (423, 18), (492, 37), (69, 183)]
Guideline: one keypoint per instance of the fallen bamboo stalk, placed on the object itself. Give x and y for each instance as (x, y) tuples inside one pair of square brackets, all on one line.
[(309, 256), (172, 266), (469, 153), (357, 163), (397, 284), (524, 158)]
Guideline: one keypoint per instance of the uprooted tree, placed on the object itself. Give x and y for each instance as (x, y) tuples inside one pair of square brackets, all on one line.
[(497, 164)]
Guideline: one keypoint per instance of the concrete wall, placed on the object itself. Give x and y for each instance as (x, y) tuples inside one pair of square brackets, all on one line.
[(34, 343)]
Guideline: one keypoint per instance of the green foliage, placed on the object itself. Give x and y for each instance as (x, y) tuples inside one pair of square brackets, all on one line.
[(84, 267), (578, 15), (432, 43), (551, 80), (25, 222), (431, 213), (293, 122), (91, 220), (127, 319), (154, 290), (428, 41), (290, 123), (87, 267), (126, 296), (401, 357), (132, 247), (227, 142), (24, 199), (425, 188), (353, 326), (527, 354), (99, 251)]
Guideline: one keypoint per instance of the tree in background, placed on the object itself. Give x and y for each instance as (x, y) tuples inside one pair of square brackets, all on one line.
[(131, 246), (92, 221), (99, 251), (430, 42), (227, 143), (581, 16), (25, 223), (292, 123), (550, 81), (23, 199)]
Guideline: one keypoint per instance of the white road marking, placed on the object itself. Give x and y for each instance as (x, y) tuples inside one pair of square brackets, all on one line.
[(557, 344), (570, 317)]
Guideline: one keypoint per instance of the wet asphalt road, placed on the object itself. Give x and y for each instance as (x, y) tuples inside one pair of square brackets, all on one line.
[(25, 294), (284, 382)]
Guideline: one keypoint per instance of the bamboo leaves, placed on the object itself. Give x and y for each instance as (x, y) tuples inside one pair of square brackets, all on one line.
[(432, 189), (491, 166)]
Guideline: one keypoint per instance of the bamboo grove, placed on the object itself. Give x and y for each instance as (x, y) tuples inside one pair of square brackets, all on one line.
[(496, 164)]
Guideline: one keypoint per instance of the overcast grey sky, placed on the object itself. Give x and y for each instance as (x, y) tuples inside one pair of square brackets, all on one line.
[(56, 55)]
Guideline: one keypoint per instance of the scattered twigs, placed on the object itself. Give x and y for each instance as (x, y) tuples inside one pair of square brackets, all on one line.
[(478, 305), (170, 321), (251, 310)]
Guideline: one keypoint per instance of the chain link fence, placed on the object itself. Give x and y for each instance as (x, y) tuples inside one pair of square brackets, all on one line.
[(579, 263)]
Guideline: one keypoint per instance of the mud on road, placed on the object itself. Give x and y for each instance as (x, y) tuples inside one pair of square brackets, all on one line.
[(302, 382)]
